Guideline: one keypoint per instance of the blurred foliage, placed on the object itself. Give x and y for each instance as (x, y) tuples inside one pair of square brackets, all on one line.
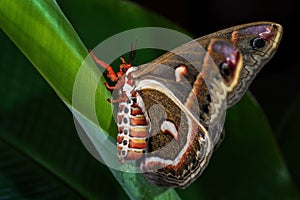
[(288, 136), (41, 155)]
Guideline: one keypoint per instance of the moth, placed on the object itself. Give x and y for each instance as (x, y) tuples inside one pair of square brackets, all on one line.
[(169, 108)]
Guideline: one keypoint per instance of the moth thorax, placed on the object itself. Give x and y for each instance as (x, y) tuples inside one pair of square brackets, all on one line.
[(133, 130), (128, 86)]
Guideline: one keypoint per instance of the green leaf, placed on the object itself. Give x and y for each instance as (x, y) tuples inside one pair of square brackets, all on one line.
[(21, 177), (289, 137), (248, 164), (35, 123), (44, 35)]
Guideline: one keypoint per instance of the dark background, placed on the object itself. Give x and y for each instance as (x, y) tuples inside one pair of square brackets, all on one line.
[(276, 86), (236, 163)]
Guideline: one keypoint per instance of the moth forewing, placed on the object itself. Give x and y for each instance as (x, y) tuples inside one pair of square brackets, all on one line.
[(255, 54)]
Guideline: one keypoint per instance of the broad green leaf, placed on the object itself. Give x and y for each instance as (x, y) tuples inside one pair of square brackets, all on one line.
[(42, 128), (43, 34), (21, 177), (36, 124)]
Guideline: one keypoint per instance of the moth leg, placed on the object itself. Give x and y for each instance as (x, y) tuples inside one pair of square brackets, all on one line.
[(110, 72), (119, 84), (109, 87), (114, 76), (120, 99)]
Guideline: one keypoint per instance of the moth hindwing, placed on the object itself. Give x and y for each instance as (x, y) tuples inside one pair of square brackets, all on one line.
[(167, 106)]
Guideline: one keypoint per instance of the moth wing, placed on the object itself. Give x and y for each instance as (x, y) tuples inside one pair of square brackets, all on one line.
[(253, 58), (176, 136), (206, 105)]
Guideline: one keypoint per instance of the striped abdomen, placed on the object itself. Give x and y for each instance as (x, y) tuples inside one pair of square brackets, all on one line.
[(133, 130)]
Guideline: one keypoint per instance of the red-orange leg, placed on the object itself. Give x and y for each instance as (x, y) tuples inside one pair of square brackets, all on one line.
[(119, 84), (110, 72), (113, 76)]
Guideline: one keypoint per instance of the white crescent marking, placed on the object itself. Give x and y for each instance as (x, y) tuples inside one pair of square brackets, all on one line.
[(169, 127)]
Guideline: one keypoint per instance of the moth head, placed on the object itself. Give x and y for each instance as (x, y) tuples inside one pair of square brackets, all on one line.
[(228, 59), (124, 67)]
